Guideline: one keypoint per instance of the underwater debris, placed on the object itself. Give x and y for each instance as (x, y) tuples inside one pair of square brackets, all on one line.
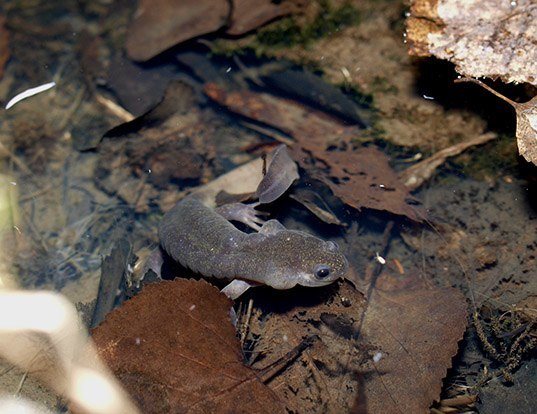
[(403, 347), (29, 92), (313, 89), (361, 178), (112, 284), (526, 121), (414, 176), (196, 366), (161, 24), (247, 15)]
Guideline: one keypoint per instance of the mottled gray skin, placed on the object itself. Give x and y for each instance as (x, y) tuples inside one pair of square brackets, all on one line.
[(199, 238)]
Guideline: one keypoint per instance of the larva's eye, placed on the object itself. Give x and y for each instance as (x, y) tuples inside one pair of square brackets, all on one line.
[(321, 271)]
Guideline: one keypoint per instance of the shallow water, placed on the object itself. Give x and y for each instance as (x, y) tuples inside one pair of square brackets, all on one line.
[(98, 158)]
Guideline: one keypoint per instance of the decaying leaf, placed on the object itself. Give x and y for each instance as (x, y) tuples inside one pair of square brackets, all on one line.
[(280, 175), (249, 14), (112, 283), (364, 179), (415, 333), (174, 349), (360, 178), (401, 351), (304, 85), (161, 24), (491, 38), (138, 88), (288, 116), (526, 121), (4, 45)]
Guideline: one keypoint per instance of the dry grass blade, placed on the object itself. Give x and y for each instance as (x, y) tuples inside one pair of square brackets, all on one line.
[(416, 175)]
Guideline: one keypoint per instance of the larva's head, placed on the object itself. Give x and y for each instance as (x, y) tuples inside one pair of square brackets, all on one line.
[(288, 258)]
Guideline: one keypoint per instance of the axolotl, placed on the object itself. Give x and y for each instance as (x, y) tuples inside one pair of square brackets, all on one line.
[(204, 240)]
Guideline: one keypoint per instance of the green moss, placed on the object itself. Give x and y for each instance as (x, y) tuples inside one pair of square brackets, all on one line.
[(353, 92), (382, 84), (329, 20), (289, 31), (492, 159)]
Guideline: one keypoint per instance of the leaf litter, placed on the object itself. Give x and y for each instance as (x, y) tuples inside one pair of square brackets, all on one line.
[(145, 195), (362, 178), (526, 121), (334, 358), (174, 349), (324, 369), (394, 359), (162, 24)]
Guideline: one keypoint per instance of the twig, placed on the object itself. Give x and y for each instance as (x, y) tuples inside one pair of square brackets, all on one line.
[(458, 400), (21, 383), (277, 136), (267, 373), (413, 177), (488, 88), (114, 108), (77, 101), (15, 159), (37, 193), (246, 324)]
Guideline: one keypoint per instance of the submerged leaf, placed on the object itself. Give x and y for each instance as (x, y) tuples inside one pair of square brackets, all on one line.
[(160, 24), (401, 349), (282, 172), (526, 122), (248, 15), (174, 349), (360, 178)]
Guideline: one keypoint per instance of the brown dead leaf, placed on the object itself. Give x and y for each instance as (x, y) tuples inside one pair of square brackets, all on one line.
[(526, 121), (250, 14), (361, 178), (413, 329), (482, 38), (364, 179), (174, 349), (4, 45), (415, 332), (316, 128), (160, 24)]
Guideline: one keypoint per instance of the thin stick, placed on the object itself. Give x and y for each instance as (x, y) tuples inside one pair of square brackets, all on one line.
[(269, 133), (15, 159), (21, 383), (488, 88), (267, 373), (34, 194), (386, 236), (114, 108), (246, 324)]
